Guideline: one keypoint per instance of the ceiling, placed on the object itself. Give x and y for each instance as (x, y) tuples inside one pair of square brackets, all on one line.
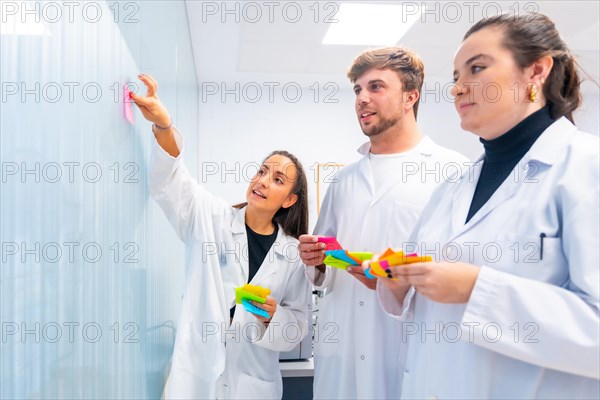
[(266, 43)]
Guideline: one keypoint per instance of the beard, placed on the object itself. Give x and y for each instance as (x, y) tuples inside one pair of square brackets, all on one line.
[(384, 125)]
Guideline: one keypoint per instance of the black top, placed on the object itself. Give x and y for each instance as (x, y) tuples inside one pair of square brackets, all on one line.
[(504, 152), (258, 248)]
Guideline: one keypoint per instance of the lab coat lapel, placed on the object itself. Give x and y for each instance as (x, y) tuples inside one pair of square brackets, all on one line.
[(365, 172), (462, 196), (542, 154), (271, 263), (238, 228), (507, 189)]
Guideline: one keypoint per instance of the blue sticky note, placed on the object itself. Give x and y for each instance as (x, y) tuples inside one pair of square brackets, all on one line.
[(253, 309)]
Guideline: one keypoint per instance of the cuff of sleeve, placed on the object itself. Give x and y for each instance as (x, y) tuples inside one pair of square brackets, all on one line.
[(315, 277), (482, 297), (390, 304), (277, 335), (162, 154)]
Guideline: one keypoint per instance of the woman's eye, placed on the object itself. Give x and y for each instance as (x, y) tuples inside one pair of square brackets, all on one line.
[(376, 86), (261, 172), (476, 68), (356, 91), (279, 180)]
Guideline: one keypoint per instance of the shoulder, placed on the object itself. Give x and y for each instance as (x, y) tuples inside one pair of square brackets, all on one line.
[(579, 149), (582, 157), (441, 153), (585, 144), (337, 180)]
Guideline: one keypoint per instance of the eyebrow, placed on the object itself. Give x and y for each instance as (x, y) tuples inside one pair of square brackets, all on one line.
[(473, 59), (371, 82), (277, 173)]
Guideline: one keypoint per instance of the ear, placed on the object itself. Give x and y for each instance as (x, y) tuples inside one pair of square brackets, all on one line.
[(290, 201), (540, 69), (410, 98)]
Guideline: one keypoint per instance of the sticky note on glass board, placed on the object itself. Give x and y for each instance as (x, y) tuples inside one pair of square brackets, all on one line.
[(127, 105)]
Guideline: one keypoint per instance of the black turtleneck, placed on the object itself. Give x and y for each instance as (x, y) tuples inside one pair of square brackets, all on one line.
[(504, 152)]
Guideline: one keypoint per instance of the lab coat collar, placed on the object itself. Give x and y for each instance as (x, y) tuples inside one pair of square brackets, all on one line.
[(552, 142), (238, 226), (549, 145), (545, 151), (425, 147)]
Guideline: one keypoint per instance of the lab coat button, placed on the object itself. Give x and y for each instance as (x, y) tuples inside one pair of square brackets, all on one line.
[(362, 357), (362, 303), (406, 371)]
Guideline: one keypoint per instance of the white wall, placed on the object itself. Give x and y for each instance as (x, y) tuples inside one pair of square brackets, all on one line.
[(235, 134)]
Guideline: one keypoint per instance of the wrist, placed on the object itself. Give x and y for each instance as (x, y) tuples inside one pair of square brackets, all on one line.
[(161, 133), (164, 126)]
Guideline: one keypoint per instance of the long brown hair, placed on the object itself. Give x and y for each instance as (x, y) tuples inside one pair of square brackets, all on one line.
[(294, 219), (530, 37)]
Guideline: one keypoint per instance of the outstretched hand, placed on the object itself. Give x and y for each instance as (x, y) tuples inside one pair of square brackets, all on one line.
[(154, 111), (151, 107)]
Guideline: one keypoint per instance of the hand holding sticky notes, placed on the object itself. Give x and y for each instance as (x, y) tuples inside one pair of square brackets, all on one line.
[(331, 243), (391, 258), (247, 293), (336, 256)]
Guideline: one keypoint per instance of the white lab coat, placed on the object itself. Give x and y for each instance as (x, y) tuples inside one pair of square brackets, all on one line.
[(357, 355), (214, 234), (530, 328)]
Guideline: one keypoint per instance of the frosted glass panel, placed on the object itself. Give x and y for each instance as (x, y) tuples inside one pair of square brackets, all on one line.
[(90, 283)]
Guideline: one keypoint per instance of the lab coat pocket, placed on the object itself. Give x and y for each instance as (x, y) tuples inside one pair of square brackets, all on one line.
[(250, 387), (537, 257)]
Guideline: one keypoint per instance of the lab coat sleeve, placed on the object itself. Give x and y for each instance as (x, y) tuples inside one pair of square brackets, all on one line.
[(289, 324), (387, 300), (391, 305), (183, 201), (558, 327), (326, 226)]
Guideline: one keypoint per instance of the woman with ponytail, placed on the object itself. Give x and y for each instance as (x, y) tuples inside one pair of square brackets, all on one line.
[(508, 308), (222, 351)]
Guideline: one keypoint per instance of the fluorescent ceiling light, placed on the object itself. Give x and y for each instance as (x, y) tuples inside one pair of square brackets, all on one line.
[(371, 24), (14, 26)]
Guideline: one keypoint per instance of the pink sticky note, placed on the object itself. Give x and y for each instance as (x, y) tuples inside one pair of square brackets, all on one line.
[(331, 243), (127, 105)]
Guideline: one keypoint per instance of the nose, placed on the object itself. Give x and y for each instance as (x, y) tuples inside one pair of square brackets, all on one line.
[(263, 180), (458, 89), (363, 97)]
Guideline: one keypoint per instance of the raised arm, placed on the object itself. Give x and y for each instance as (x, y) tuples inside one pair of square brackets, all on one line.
[(154, 111)]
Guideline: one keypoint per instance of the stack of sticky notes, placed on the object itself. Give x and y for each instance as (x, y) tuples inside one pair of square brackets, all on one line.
[(391, 258), (336, 256), (247, 293), (331, 243)]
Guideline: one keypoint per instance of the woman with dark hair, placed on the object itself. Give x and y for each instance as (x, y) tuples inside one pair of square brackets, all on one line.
[(509, 306), (222, 351)]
